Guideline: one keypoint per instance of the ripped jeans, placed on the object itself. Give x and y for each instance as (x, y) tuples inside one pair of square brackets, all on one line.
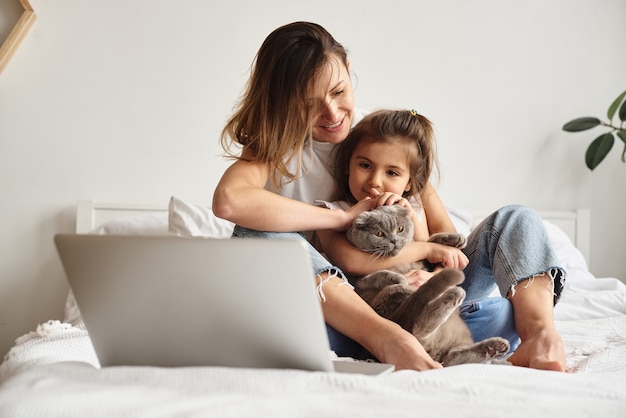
[(509, 246)]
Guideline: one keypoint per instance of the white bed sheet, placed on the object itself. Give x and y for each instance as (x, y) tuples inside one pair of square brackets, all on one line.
[(53, 371)]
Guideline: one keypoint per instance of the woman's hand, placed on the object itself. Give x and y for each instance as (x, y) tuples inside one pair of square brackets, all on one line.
[(405, 352), (355, 210)]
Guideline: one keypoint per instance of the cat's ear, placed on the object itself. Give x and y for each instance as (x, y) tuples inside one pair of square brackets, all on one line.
[(402, 211), (361, 220)]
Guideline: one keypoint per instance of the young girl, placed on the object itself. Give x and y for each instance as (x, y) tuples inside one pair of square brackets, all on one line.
[(297, 106), (390, 155)]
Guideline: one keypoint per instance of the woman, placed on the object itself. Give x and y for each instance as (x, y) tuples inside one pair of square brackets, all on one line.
[(299, 104)]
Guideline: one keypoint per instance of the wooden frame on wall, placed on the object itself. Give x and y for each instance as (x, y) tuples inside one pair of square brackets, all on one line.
[(16, 35)]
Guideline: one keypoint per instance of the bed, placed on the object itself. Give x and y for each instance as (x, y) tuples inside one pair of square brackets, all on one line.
[(52, 371)]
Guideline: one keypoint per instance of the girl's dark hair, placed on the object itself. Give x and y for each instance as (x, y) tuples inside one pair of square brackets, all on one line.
[(406, 128)]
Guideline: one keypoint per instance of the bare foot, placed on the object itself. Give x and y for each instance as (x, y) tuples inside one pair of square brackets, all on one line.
[(541, 346), (544, 350)]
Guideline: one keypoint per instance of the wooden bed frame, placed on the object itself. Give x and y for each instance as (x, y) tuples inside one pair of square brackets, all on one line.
[(92, 213)]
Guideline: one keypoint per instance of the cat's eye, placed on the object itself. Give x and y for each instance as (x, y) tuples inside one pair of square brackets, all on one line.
[(400, 229), (379, 234)]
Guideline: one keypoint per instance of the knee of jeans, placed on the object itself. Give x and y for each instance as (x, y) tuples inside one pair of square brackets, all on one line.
[(518, 213)]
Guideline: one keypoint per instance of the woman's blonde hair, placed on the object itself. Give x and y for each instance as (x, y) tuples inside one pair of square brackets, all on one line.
[(275, 114), (406, 128)]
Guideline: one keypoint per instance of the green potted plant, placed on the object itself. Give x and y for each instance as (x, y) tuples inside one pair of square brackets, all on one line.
[(601, 146)]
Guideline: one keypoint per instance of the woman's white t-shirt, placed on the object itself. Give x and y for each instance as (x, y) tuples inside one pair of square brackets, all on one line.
[(314, 181)]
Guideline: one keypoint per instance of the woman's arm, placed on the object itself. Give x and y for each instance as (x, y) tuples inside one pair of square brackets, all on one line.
[(240, 197)]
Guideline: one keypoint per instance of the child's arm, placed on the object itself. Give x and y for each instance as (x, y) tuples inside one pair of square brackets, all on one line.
[(356, 262), (436, 213), (420, 225)]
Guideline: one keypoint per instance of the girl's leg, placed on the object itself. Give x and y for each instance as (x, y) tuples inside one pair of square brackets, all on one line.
[(511, 250)]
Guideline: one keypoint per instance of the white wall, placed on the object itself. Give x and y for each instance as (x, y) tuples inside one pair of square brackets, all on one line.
[(123, 100)]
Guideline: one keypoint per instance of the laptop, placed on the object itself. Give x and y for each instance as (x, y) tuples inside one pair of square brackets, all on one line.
[(169, 301)]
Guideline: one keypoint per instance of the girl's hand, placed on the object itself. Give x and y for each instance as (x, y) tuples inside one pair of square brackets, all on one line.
[(447, 256), (420, 232), (416, 278), (389, 198)]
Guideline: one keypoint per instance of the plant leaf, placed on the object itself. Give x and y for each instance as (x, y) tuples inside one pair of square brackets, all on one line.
[(581, 124), (614, 106), (598, 149), (622, 112), (622, 136)]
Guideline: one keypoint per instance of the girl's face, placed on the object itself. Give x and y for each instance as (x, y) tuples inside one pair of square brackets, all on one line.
[(380, 166), (333, 93)]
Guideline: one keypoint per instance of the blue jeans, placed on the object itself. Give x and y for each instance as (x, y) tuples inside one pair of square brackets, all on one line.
[(509, 246)]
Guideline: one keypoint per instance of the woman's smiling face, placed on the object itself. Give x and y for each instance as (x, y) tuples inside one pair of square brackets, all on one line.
[(332, 91)]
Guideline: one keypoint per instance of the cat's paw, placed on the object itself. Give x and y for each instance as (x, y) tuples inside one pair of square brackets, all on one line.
[(453, 240), (494, 347), (452, 298)]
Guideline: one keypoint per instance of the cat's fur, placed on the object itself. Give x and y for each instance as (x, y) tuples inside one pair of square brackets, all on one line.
[(431, 312)]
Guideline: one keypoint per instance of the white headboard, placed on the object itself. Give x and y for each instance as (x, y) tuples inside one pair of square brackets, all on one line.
[(92, 213)]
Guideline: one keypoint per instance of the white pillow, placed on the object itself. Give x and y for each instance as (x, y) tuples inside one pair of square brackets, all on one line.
[(188, 220), (570, 257), (150, 224)]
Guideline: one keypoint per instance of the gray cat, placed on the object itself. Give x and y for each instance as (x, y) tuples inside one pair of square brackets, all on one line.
[(431, 312)]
